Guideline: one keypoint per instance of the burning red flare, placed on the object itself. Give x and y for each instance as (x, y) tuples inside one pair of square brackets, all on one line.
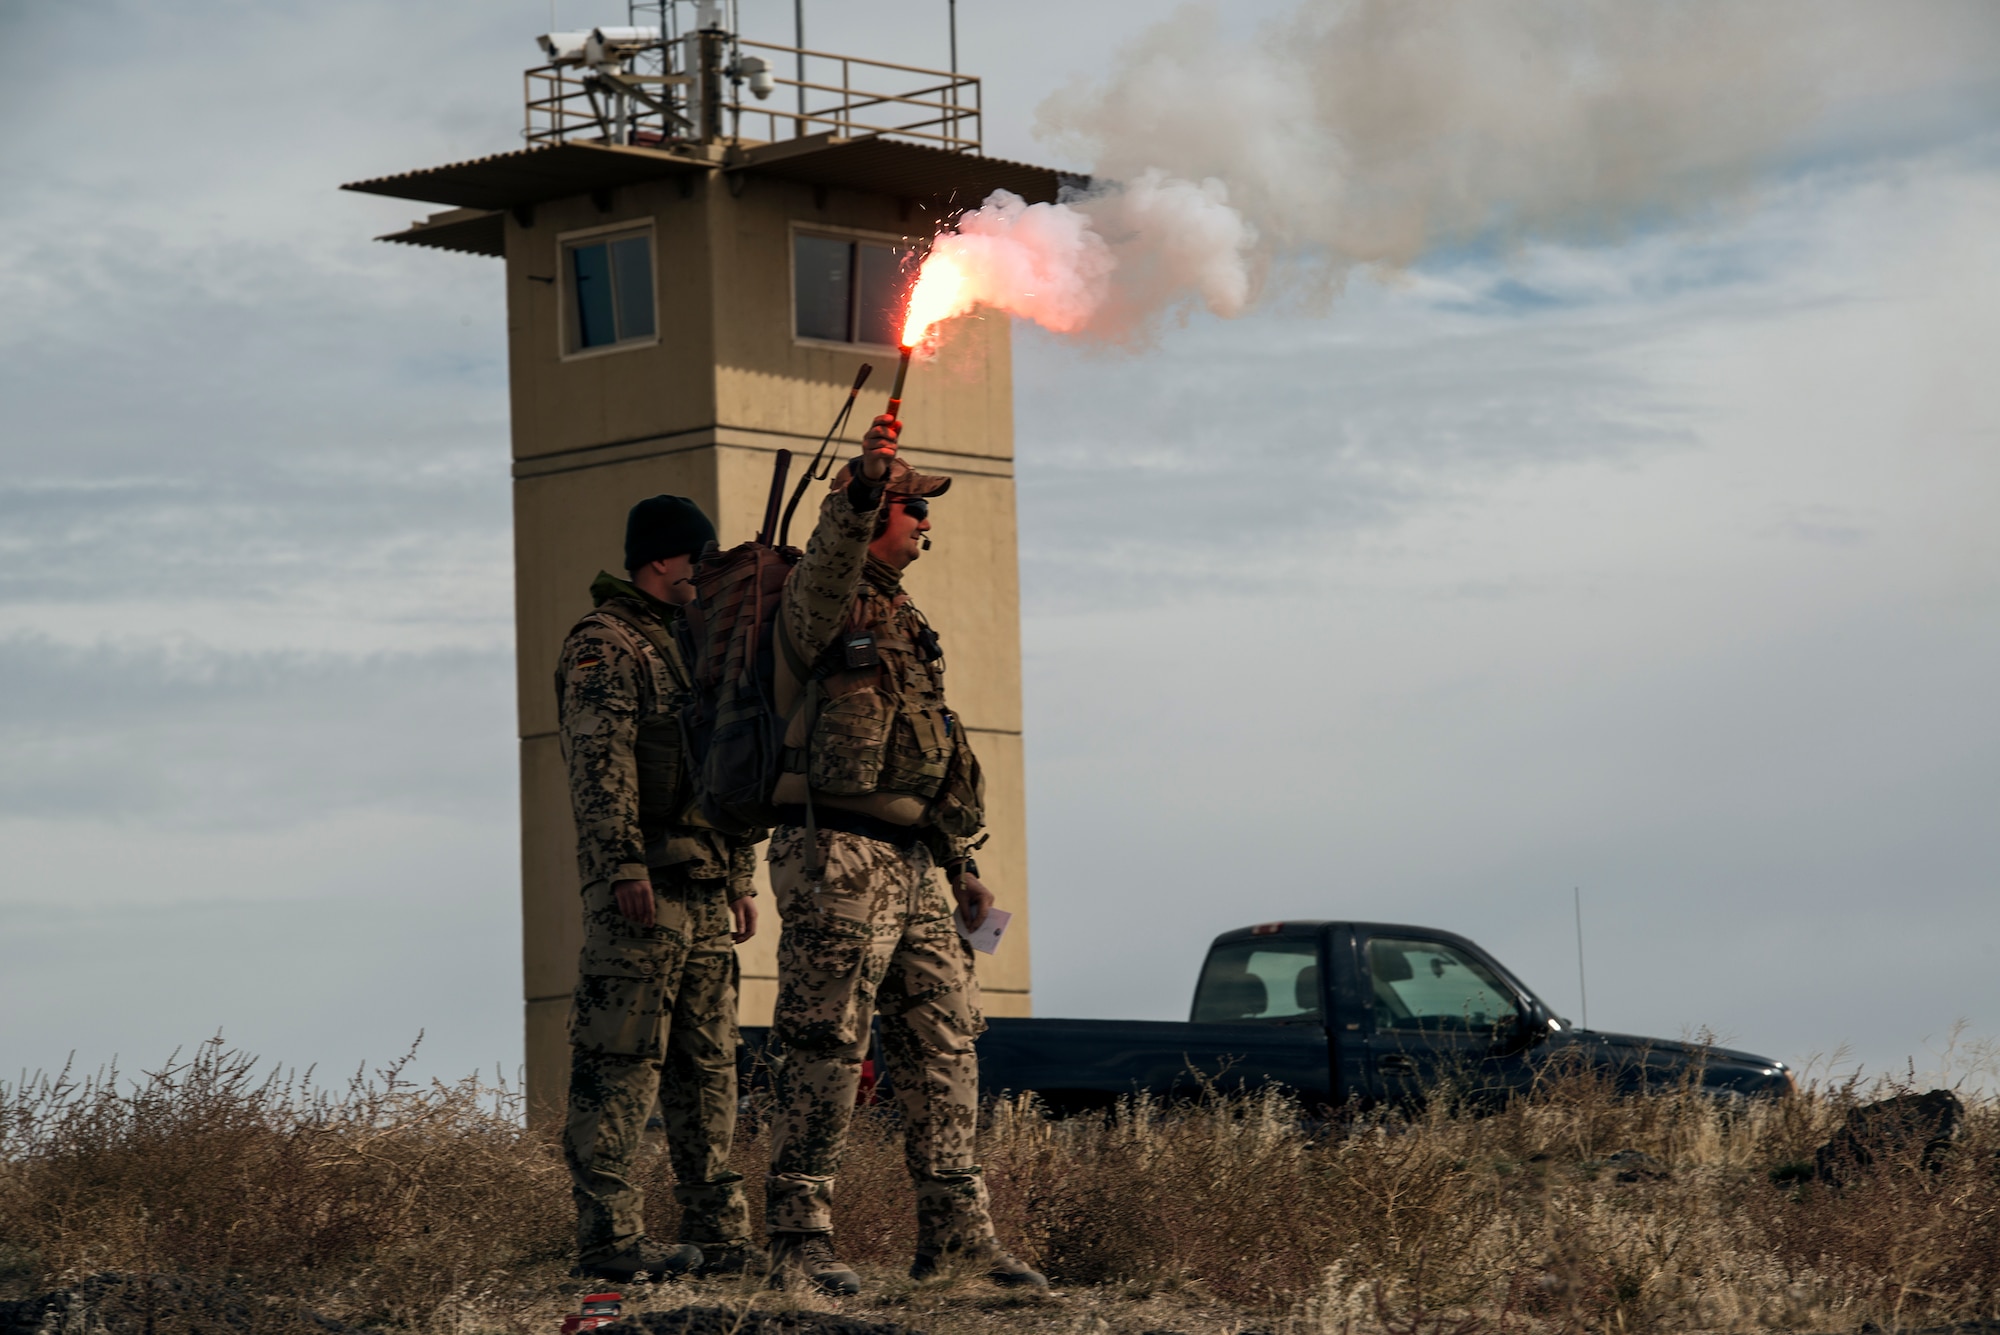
[(938, 295)]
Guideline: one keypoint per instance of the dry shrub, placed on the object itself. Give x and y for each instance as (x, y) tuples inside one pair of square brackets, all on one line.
[(390, 1197), (1902, 1237), (874, 1202), (435, 1208), (1159, 1192), (1573, 1209)]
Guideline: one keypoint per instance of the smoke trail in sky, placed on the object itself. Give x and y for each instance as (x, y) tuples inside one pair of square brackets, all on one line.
[(1109, 262), (1371, 132)]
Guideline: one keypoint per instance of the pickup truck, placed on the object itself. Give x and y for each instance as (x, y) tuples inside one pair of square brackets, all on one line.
[(1347, 1014)]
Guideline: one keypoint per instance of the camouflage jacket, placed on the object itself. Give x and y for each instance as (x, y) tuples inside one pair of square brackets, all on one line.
[(619, 692), (837, 588)]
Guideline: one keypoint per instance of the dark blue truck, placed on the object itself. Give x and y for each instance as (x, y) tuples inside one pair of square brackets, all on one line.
[(1347, 1014)]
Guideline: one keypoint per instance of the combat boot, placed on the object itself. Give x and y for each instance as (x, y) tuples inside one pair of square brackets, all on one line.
[(732, 1261), (981, 1256), (641, 1256), (809, 1257)]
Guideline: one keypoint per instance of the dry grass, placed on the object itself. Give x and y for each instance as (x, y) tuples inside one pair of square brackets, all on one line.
[(431, 1209)]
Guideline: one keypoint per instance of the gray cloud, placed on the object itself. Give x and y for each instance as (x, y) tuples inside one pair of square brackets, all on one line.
[(1239, 451), (1367, 132), (250, 741), (255, 623), (219, 388), (255, 688), (336, 980)]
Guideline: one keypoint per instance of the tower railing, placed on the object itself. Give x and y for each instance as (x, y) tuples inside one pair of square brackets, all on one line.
[(851, 97)]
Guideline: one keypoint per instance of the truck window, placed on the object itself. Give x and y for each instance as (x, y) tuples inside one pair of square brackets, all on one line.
[(1259, 980), (1430, 985)]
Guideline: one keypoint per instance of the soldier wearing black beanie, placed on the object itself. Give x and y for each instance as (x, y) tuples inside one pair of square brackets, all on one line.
[(665, 526), (665, 898)]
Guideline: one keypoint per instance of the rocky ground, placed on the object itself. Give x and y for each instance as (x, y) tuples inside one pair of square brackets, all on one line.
[(112, 1304)]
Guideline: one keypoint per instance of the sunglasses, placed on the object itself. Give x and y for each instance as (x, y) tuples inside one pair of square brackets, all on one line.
[(916, 507)]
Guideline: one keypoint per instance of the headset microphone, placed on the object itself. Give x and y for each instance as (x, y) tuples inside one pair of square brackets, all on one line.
[(927, 542)]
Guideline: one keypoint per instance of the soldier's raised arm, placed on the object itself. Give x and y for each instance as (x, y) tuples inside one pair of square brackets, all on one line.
[(820, 592)]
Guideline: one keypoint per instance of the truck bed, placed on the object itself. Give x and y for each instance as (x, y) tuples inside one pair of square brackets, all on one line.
[(1075, 1064)]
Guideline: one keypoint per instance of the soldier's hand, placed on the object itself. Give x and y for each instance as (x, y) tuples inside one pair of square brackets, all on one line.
[(973, 900), (880, 447), (635, 901), (744, 910)]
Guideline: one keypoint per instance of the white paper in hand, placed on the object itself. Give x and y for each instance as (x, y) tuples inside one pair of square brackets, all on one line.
[(987, 939)]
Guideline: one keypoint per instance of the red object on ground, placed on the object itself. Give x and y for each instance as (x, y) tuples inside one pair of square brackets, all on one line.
[(864, 1097), (599, 1309)]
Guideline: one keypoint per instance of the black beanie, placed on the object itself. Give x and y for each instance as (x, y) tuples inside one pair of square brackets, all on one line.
[(665, 526)]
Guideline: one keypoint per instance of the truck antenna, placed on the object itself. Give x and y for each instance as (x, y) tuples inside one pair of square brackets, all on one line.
[(1583, 993)]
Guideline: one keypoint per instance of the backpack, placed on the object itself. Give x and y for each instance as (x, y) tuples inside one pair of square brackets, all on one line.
[(729, 638), (731, 635)]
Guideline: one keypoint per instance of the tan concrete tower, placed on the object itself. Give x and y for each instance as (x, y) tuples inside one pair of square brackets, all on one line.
[(683, 303)]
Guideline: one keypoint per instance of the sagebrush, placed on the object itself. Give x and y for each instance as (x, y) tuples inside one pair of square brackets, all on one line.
[(435, 1207)]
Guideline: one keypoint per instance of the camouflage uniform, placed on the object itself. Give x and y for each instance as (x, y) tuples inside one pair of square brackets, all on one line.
[(654, 1017), (874, 932)]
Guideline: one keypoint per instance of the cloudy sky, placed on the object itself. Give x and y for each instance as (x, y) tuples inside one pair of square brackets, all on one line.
[(1661, 566)]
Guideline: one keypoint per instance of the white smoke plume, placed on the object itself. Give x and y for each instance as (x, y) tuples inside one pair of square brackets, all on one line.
[(1043, 262), (1114, 259), (1370, 132)]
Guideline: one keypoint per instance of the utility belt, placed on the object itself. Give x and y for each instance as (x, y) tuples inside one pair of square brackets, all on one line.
[(699, 853), (903, 838)]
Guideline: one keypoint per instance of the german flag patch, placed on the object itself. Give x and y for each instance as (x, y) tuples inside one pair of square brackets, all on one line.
[(595, 660)]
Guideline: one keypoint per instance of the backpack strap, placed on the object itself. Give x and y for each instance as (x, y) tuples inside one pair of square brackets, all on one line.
[(795, 662), (656, 635), (809, 700), (661, 638)]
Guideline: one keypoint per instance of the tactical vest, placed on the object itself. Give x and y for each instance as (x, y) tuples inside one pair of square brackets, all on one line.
[(881, 722), (659, 752)]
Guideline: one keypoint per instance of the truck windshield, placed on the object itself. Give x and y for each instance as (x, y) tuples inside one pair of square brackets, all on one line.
[(1430, 985), (1259, 980)]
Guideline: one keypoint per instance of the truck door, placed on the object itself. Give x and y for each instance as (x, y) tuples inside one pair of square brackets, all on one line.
[(1259, 1011), (1440, 1016)]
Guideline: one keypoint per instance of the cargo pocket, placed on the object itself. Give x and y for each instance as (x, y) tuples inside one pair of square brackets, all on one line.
[(704, 1027), (822, 966), (919, 751), (619, 1009), (848, 742), (960, 807), (933, 990)]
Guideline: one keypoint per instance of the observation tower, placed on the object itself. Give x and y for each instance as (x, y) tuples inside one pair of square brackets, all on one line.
[(704, 238)]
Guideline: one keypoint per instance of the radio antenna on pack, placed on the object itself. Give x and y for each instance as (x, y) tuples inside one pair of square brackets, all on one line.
[(1582, 992), (814, 473), (782, 466)]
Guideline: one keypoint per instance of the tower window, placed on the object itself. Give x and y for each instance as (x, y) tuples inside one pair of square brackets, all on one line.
[(846, 290), (610, 282)]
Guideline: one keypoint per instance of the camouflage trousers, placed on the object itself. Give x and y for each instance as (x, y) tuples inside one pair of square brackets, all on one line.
[(654, 1022), (876, 934)]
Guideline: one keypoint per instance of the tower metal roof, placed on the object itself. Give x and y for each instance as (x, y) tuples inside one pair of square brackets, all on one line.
[(482, 188)]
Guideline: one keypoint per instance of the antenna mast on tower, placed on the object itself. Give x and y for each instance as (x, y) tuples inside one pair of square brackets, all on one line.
[(656, 83)]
